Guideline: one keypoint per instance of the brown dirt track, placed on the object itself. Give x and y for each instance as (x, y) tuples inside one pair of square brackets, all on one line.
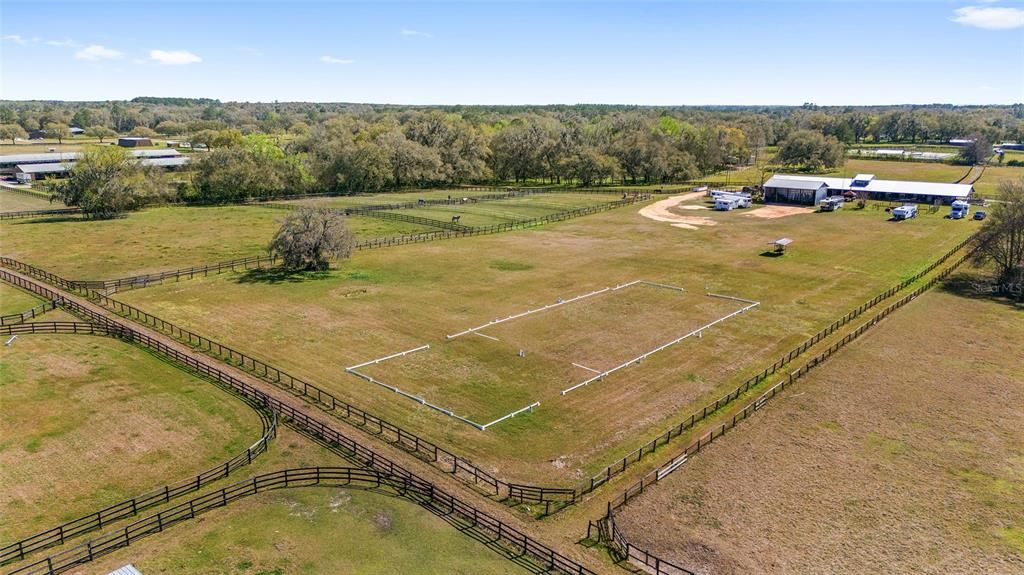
[(903, 454)]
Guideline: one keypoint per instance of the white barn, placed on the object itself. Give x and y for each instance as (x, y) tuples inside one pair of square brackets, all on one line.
[(811, 190)]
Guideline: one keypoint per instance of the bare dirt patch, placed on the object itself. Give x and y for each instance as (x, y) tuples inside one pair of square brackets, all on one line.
[(772, 212), (661, 211), (903, 454)]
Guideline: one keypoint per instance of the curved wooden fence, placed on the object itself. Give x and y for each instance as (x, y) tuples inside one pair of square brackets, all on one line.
[(605, 526), (551, 497), (102, 325), (424, 493), (133, 506)]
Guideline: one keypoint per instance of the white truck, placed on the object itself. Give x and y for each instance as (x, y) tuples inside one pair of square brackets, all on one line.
[(831, 204), (960, 210), (905, 212)]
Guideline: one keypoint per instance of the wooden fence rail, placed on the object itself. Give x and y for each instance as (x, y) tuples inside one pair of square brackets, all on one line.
[(102, 325), (549, 496), (129, 507), (26, 315), (606, 526), (39, 213), (686, 424), (410, 487)]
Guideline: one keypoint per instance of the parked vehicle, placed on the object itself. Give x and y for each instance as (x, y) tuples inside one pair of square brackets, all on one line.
[(905, 212), (979, 215), (960, 210), (725, 202), (831, 204)]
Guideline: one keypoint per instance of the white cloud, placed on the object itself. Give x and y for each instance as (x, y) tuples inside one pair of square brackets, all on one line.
[(408, 32), (14, 38), (332, 60), (989, 18), (63, 43), (97, 52), (174, 57)]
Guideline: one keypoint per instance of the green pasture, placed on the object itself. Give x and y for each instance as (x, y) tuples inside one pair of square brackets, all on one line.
[(388, 300), (14, 300), (89, 421)]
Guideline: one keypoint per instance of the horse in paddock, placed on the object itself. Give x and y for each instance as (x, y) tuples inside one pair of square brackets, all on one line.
[(455, 219)]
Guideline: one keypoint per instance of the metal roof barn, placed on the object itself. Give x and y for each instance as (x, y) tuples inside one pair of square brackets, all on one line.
[(883, 189)]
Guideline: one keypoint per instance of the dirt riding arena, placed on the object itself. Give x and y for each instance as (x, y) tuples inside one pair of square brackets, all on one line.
[(902, 455)]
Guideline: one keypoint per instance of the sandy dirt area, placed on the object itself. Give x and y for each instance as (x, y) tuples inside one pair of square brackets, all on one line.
[(903, 454), (661, 211), (772, 212)]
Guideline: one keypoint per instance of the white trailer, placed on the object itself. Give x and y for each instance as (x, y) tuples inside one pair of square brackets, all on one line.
[(905, 212), (960, 210), (725, 201)]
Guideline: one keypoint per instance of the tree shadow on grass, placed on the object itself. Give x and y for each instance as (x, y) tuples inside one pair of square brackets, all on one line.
[(280, 275), (974, 285), (52, 220)]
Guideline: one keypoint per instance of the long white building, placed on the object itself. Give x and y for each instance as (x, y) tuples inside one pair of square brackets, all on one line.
[(811, 190)]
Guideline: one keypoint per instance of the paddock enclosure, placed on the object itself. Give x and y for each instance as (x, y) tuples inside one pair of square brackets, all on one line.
[(391, 300)]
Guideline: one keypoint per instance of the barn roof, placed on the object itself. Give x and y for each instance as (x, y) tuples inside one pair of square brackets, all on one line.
[(895, 187), (42, 168), (796, 182)]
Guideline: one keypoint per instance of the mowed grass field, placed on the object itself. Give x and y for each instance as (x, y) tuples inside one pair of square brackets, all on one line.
[(158, 239), (473, 375), (902, 454), (387, 300), (167, 238), (11, 201), (311, 530), (14, 300), (90, 421), (307, 530)]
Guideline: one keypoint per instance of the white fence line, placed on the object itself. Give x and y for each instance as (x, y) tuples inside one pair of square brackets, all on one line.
[(732, 298), (672, 466), (585, 367), (559, 303), (494, 322), (644, 356), (387, 357), (513, 414), (666, 286), (425, 403)]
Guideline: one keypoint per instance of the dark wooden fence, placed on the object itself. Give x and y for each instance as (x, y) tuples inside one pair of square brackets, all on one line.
[(129, 507), (513, 541), (550, 497), (24, 316), (650, 447), (102, 325), (498, 228), (253, 262), (113, 285), (39, 213), (449, 225), (605, 527)]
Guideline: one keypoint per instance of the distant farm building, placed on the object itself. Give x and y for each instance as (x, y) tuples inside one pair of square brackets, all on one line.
[(811, 190), (28, 167), (134, 142)]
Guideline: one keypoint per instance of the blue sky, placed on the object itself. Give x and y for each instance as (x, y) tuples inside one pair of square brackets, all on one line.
[(653, 53)]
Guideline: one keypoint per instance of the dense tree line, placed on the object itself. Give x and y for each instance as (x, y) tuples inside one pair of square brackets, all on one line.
[(268, 149)]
